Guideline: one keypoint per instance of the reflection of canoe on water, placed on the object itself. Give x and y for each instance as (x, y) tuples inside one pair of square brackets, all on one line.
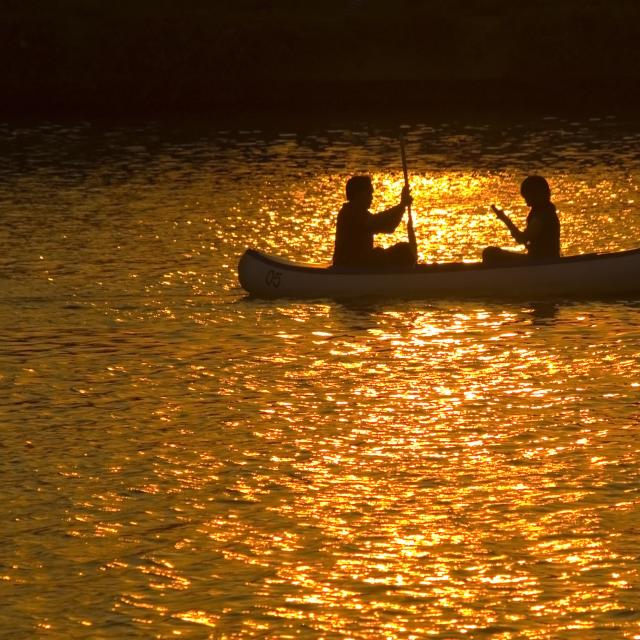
[(587, 276)]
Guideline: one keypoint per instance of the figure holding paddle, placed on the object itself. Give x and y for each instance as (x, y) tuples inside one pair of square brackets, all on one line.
[(357, 226)]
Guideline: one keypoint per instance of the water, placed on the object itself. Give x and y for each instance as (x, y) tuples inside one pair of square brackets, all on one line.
[(181, 461)]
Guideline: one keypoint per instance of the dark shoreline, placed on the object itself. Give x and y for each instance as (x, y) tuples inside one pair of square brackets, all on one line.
[(252, 58), (328, 102)]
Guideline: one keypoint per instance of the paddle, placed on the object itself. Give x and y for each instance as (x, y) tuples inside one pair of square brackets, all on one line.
[(410, 232)]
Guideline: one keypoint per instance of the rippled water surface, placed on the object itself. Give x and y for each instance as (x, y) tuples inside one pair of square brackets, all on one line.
[(179, 460)]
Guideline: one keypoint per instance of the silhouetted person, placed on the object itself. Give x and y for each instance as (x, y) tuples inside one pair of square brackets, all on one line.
[(541, 235), (356, 227)]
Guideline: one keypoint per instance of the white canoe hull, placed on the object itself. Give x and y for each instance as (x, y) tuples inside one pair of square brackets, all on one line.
[(588, 276)]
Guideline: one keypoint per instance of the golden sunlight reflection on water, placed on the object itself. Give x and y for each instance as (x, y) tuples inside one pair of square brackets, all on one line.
[(182, 461)]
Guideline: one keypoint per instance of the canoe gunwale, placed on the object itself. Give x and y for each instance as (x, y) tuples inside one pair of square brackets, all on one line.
[(587, 276), (446, 267)]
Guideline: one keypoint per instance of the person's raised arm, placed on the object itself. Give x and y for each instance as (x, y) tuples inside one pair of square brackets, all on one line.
[(387, 221), (519, 236)]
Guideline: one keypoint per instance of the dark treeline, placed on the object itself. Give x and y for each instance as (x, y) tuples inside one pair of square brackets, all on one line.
[(167, 57)]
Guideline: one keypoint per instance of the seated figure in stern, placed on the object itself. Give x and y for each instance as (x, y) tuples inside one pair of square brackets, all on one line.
[(356, 227), (541, 235)]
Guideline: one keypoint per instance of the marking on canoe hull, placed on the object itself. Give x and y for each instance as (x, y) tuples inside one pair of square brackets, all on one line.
[(272, 278)]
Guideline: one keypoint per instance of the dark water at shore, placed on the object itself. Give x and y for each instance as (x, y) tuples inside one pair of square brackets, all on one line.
[(181, 461), (91, 58)]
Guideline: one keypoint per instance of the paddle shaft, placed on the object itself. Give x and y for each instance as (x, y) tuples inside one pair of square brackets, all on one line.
[(405, 171)]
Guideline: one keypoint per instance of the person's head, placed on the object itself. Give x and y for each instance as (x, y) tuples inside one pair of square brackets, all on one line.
[(360, 190), (535, 190)]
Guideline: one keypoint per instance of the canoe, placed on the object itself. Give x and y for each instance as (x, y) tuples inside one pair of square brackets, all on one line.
[(595, 275)]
